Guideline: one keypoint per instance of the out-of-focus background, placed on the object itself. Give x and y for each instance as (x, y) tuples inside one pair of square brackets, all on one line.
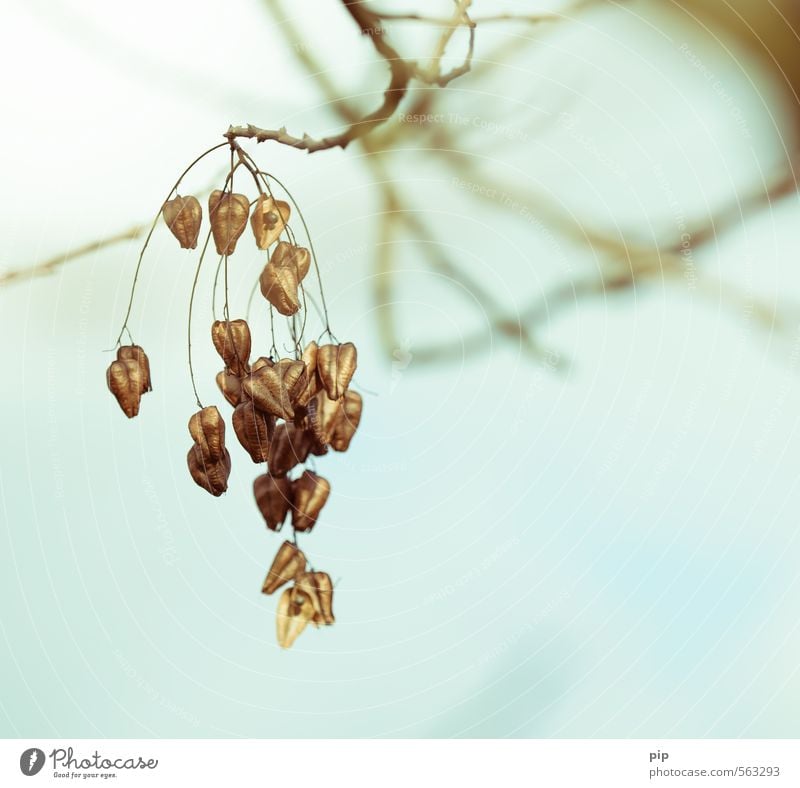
[(583, 527)]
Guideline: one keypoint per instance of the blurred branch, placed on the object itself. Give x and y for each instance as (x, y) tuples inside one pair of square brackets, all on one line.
[(50, 265), (402, 71)]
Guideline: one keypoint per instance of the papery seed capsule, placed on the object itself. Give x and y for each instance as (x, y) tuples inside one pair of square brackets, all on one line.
[(124, 379), (274, 388), (289, 447), (273, 498), (231, 386), (135, 353), (184, 216), (254, 430), (289, 562), (324, 586), (228, 213), (309, 358), (296, 258), (268, 220), (323, 417), (211, 475), (335, 367), (231, 338), (309, 494), (294, 612), (305, 584), (347, 421), (279, 287), (207, 429)]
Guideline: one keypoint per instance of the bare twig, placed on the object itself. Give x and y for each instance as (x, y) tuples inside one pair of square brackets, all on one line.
[(50, 265), (402, 71), (432, 75)]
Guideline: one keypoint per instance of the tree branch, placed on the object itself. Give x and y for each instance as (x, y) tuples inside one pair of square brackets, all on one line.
[(402, 71), (50, 265)]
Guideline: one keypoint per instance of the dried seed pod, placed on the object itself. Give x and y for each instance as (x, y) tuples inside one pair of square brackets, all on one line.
[(261, 361), (324, 586), (274, 388), (207, 429), (135, 353), (324, 414), (279, 287), (184, 216), (211, 475), (309, 494), (231, 338), (296, 258), (289, 562), (306, 585), (268, 220), (289, 447), (125, 379), (294, 612), (228, 213), (335, 367), (254, 430), (309, 358), (273, 498), (347, 422), (231, 386)]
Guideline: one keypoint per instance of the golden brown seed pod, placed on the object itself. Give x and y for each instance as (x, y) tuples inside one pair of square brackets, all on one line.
[(184, 216), (294, 612), (135, 353), (289, 447), (228, 213), (273, 498), (309, 358), (253, 429), (211, 475), (296, 258), (274, 388), (279, 287), (324, 586), (124, 379), (309, 494), (305, 584), (207, 429), (231, 338), (262, 361), (323, 417), (289, 562), (347, 422), (335, 367), (268, 220), (231, 386)]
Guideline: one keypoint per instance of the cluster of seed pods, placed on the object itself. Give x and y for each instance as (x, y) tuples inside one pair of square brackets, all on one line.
[(285, 410)]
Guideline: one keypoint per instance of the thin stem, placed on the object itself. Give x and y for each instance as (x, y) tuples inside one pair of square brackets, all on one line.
[(316, 307), (313, 253), (274, 348), (149, 235), (189, 322), (305, 320), (214, 289), (250, 298), (226, 311)]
